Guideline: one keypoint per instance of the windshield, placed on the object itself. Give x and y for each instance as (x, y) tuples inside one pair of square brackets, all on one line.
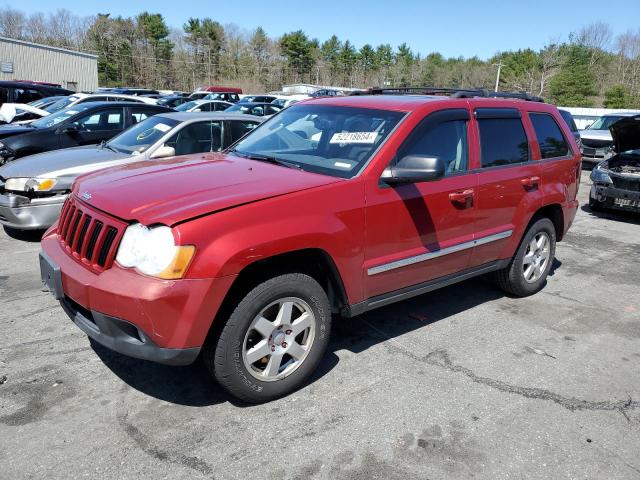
[(185, 107), (61, 104), (141, 136), (603, 123), (61, 116), (332, 140)]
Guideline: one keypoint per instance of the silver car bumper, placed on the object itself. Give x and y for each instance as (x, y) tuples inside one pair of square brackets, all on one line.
[(23, 213)]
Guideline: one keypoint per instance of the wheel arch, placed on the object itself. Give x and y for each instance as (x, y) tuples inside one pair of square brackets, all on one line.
[(315, 262), (554, 213)]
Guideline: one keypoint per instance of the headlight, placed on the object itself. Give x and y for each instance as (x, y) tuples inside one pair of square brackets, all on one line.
[(30, 184), (600, 176), (152, 251)]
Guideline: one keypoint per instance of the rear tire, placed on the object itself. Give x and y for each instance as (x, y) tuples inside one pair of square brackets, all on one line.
[(273, 340), (528, 269)]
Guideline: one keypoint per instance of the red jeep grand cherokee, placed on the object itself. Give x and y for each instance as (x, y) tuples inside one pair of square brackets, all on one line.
[(336, 205)]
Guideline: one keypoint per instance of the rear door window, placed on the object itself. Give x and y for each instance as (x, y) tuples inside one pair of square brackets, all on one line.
[(240, 129), (139, 114), (503, 140), (552, 142), (105, 120)]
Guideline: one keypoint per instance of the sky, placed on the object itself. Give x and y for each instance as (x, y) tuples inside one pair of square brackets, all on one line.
[(454, 27)]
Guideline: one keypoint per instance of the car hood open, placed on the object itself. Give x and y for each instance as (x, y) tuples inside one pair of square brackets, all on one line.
[(174, 190), (67, 162), (626, 134)]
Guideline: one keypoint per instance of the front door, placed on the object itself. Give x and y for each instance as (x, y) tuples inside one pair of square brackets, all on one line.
[(93, 128), (421, 231)]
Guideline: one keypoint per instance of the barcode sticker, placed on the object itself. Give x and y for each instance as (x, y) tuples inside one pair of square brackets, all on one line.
[(354, 137)]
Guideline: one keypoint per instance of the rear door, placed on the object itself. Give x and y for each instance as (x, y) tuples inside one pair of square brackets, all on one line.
[(197, 137), (137, 114), (509, 182), (420, 231)]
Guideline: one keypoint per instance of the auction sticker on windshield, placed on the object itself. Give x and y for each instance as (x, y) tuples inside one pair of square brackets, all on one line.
[(162, 127), (354, 137)]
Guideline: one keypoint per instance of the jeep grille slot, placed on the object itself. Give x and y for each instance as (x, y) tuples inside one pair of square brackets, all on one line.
[(97, 228), (89, 236)]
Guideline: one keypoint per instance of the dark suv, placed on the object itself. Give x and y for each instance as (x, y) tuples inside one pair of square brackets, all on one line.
[(26, 92), (86, 123), (333, 206)]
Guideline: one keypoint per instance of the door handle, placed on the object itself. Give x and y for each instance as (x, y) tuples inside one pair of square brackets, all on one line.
[(463, 199), (530, 183)]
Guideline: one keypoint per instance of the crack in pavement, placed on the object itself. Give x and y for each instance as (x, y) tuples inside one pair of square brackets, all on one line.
[(142, 441), (440, 358)]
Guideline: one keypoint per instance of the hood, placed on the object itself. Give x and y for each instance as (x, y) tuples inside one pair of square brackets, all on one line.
[(626, 134), (174, 190), (68, 162), (10, 130), (595, 134)]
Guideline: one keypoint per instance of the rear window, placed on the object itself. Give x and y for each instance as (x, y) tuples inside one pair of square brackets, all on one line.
[(550, 138), (503, 141)]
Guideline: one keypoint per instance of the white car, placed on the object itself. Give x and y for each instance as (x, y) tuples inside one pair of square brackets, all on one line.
[(8, 110), (203, 106), (597, 142)]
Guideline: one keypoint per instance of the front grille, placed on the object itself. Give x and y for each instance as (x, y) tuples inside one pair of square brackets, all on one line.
[(626, 183), (588, 142), (89, 236)]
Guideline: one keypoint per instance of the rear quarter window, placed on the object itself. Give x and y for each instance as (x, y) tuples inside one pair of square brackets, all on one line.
[(552, 142)]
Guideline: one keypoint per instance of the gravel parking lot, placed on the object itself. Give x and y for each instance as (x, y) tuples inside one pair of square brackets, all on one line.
[(462, 382)]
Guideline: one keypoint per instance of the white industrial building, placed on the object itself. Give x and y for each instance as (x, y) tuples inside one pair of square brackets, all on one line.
[(20, 60)]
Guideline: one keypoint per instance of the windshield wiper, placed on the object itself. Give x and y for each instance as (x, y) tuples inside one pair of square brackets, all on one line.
[(266, 158), (104, 144)]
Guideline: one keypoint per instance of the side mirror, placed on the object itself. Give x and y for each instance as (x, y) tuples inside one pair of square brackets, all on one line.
[(414, 169), (164, 152), (69, 130)]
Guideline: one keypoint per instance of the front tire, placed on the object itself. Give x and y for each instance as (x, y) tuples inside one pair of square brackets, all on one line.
[(528, 269), (273, 340)]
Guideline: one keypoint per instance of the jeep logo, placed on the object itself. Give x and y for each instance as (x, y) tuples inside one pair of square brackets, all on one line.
[(86, 195)]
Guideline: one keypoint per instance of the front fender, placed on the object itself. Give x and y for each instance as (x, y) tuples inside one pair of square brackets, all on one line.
[(329, 218)]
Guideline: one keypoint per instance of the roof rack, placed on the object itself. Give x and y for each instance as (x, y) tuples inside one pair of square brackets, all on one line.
[(453, 93)]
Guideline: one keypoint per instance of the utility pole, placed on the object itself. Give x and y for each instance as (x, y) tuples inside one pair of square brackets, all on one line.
[(499, 65)]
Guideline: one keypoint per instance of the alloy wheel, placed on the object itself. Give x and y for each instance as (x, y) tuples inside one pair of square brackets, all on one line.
[(536, 258), (279, 339)]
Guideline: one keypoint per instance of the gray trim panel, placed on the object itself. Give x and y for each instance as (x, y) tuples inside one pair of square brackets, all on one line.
[(385, 267)]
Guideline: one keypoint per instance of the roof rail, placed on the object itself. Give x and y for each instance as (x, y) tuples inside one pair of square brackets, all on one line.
[(452, 92)]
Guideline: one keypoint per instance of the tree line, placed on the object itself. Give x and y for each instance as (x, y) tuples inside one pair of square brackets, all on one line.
[(591, 67)]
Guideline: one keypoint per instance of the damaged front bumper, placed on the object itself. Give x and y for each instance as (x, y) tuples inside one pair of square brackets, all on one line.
[(24, 213), (616, 198)]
